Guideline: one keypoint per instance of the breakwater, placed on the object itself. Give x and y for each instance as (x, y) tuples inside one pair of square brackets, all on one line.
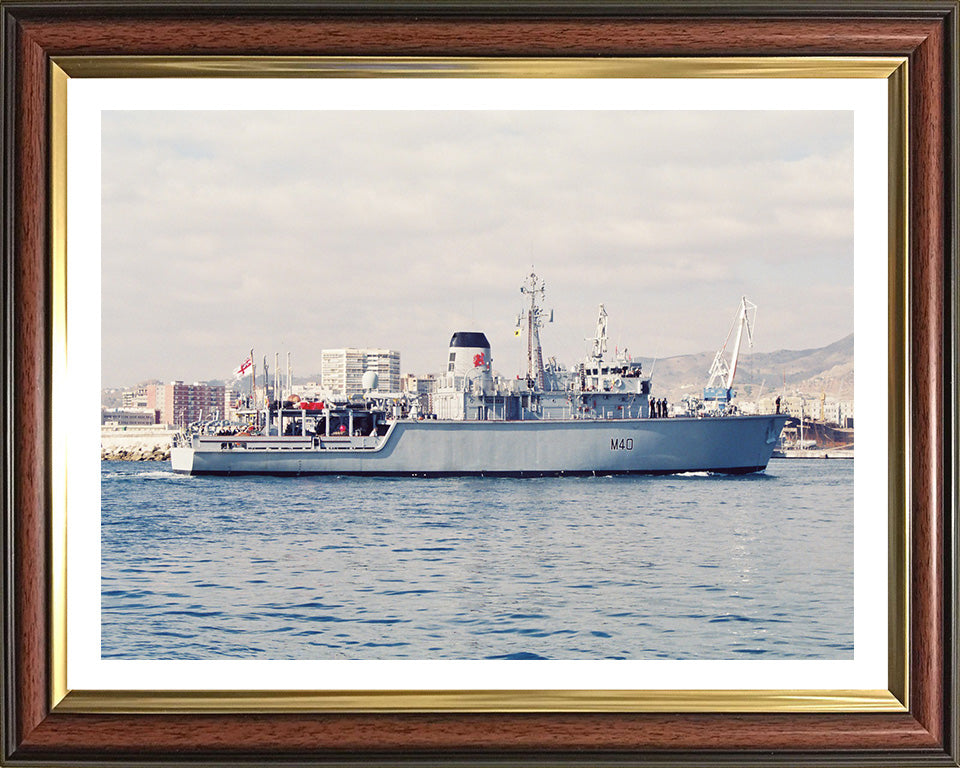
[(142, 453), (135, 443)]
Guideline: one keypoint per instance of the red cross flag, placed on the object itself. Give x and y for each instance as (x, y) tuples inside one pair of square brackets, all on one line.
[(243, 368)]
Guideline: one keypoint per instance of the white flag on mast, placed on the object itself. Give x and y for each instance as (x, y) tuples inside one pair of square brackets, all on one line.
[(242, 369)]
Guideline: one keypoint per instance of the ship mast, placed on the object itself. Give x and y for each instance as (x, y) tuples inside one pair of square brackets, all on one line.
[(600, 340), (534, 287)]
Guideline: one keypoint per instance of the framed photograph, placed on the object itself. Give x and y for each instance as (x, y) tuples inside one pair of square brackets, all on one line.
[(566, 535)]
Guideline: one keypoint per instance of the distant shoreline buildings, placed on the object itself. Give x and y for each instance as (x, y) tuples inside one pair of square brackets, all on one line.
[(830, 410), (174, 403), (177, 403)]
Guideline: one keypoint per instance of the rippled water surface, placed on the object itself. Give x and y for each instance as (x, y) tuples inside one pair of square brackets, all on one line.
[(675, 567)]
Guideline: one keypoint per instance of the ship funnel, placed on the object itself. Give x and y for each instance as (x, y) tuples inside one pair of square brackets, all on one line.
[(469, 357)]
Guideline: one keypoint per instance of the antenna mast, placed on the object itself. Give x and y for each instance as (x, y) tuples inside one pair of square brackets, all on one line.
[(534, 287), (600, 340)]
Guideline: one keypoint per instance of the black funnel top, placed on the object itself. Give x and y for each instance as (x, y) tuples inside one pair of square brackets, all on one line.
[(469, 339)]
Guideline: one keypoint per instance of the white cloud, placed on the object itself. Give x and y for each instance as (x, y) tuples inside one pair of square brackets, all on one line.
[(312, 229)]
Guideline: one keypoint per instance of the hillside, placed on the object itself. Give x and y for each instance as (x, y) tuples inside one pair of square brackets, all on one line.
[(809, 372)]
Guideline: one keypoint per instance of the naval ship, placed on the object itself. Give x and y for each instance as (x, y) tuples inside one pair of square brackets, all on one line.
[(598, 417)]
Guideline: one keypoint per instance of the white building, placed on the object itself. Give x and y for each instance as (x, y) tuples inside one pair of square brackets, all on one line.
[(122, 417), (138, 397), (423, 386), (230, 398), (341, 370), (830, 410), (843, 413)]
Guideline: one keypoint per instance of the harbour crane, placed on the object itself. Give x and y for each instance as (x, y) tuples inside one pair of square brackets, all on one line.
[(719, 387)]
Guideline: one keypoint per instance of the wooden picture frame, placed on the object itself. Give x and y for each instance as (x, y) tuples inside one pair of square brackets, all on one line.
[(36, 731)]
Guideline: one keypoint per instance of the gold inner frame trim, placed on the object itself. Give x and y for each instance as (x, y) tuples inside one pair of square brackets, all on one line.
[(131, 702), (427, 66), (898, 415), (893, 69), (59, 387)]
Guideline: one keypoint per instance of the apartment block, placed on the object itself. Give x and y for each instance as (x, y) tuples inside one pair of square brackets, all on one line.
[(341, 370), (180, 404), (138, 396)]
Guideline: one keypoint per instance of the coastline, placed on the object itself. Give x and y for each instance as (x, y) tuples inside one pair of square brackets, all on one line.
[(813, 453)]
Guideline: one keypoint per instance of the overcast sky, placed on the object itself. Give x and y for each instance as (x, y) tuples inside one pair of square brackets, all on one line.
[(298, 231)]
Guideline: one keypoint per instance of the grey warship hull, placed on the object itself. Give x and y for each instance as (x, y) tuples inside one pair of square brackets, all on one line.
[(433, 448)]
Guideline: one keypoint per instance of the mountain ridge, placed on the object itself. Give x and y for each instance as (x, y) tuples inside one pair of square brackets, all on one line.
[(810, 372)]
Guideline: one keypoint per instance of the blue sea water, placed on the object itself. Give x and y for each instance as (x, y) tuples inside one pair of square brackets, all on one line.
[(672, 567)]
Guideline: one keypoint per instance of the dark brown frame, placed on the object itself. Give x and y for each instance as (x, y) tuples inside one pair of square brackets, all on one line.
[(925, 32)]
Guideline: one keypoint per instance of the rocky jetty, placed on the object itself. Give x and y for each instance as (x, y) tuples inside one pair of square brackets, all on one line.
[(135, 443), (140, 453)]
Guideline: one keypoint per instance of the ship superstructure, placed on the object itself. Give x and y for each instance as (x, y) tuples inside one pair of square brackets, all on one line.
[(596, 388)]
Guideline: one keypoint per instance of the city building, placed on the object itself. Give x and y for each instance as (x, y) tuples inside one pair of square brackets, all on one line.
[(231, 398), (843, 413), (829, 410), (825, 409), (341, 370), (424, 386), (139, 396), (180, 404), (125, 417)]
